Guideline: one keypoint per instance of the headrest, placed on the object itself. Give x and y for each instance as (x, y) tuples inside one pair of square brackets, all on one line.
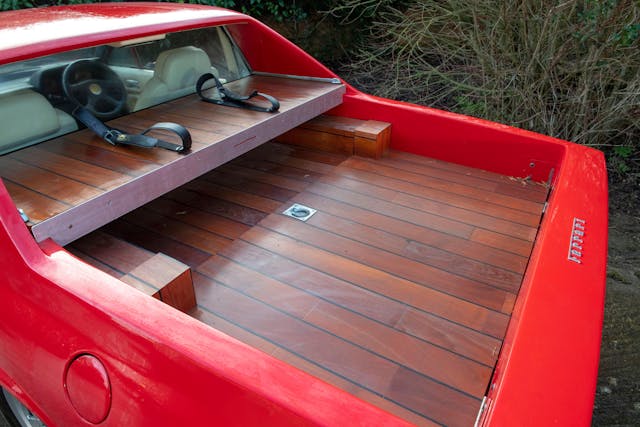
[(25, 115), (181, 67)]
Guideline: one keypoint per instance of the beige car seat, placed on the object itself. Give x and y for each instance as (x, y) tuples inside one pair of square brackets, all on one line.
[(26, 118), (175, 75)]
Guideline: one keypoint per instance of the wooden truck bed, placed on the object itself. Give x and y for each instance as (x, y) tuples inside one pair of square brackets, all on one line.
[(398, 290)]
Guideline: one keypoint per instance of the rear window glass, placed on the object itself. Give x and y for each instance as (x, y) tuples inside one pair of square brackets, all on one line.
[(150, 71)]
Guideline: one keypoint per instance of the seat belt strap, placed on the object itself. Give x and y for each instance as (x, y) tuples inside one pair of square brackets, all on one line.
[(117, 137), (232, 99)]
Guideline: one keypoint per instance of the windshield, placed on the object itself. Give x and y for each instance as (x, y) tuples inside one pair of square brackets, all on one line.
[(224, 55), (131, 75)]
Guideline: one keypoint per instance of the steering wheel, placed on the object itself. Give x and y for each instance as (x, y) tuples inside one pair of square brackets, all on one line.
[(96, 87)]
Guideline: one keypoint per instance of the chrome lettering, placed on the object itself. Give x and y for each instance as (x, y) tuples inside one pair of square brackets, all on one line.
[(576, 241)]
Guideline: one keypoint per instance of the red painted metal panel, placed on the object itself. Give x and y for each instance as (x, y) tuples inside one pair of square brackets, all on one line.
[(30, 33), (547, 372), (269, 52)]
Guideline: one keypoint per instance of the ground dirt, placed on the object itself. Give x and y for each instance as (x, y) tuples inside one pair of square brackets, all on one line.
[(618, 392)]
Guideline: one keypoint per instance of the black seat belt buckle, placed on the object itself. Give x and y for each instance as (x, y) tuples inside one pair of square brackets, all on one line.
[(113, 137)]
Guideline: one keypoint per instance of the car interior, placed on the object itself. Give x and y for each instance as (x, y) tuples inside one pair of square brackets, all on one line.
[(37, 97)]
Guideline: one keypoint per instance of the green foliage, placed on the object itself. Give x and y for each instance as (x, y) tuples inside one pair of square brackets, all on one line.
[(228, 4), (623, 159), (277, 9), (568, 69), (15, 4), (24, 4)]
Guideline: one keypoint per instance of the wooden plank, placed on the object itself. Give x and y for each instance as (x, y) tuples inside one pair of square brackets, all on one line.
[(486, 194), (452, 284), (410, 293), (116, 253), (214, 143), (423, 219), (437, 239), (37, 206), (435, 362), (360, 300), (315, 282), (488, 222), (504, 186), (466, 170), (233, 211), (94, 262), (99, 156), (194, 236), (156, 242), (367, 369), (317, 156), (243, 183), (462, 340), (425, 254), (275, 156), (423, 357), (502, 241), (446, 197), (54, 186), (354, 389), (317, 371), (86, 173), (265, 177), (384, 207), (239, 197), (277, 169), (213, 223), (199, 118)]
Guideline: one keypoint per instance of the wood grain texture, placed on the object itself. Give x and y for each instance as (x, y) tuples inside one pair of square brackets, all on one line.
[(99, 183), (397, 290)]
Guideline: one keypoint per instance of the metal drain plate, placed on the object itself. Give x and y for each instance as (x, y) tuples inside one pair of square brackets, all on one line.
[(300, 212)]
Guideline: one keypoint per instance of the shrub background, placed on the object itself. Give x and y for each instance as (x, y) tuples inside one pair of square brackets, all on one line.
[(567, 69)]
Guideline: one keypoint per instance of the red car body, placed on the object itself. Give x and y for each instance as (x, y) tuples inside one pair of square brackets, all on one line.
[(165, 368)]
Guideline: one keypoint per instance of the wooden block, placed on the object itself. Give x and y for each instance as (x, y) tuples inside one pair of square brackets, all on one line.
[(142, 286), (333, 124), (344, 135), (108, 249), (168, 277), (179, 293), (332, 142), (372, 139)]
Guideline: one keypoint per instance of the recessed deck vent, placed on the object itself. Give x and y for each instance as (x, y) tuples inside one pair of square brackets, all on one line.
[(300, 212)]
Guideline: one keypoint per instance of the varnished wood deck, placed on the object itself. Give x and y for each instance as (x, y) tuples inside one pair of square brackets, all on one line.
[(74, 184), (398, 290)]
